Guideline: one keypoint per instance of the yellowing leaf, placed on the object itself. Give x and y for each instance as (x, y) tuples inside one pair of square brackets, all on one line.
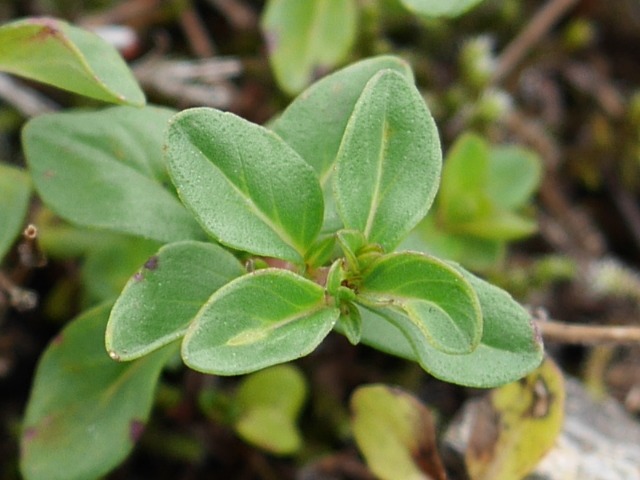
[(517, 425), (396, 434), (270, 401)]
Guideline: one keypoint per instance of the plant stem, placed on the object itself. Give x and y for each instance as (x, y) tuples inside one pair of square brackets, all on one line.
[(580, 334)]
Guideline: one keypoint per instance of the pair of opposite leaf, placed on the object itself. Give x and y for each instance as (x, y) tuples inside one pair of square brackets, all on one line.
[(268, 202)]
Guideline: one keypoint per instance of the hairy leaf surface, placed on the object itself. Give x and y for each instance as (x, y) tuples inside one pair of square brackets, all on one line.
[(261, 319), (105, 170), (440, 305), (389, 162), (164, 296), (245, 185)]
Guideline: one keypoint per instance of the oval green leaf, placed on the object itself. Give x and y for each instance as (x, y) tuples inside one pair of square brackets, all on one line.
[(108, 264), (462, 196), (245, 185), (481, 187), (304, 38), (514, 175), (105, 170), (431, 237), (510, 346), (440, 8), (164, 296), (314, 123), (86, 411), (15, 191), (261, 319), (53, 52), (439, 303), (269, 403), (389, 162)]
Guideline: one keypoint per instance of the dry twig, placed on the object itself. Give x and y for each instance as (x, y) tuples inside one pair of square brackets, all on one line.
[(577, 334), (239, 14), (196, 33), (199, 82), (539, 25)]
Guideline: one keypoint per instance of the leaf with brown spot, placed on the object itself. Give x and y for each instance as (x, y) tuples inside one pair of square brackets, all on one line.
[(516, 425), (56, 53), (396, 434)]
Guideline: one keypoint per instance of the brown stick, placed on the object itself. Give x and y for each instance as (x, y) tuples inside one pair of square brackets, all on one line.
[(196, 33), (577, 334), (539, 25)]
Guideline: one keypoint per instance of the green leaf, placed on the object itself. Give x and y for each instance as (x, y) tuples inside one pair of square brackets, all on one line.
[(510, 346), (475, 253), (304, 38), (350, 322), (440, 8), (462, 192), (105, 170), (481, 188), (320, 252), (53, 52), (62, 240), (514, 175), (497, 225), (388, 166), (396, 434), (351, 242), (15, 191), (107, 267), (245, 185), (261, 319), (269, 403), (86, 411), (164, 296), (314, 123), (441, 306)]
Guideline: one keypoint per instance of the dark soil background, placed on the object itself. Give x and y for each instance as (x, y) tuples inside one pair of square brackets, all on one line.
[(573, 79)]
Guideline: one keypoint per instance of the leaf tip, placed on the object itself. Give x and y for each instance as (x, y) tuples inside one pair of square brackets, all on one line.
[(50, 27), (115, 356), (537, 334)]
